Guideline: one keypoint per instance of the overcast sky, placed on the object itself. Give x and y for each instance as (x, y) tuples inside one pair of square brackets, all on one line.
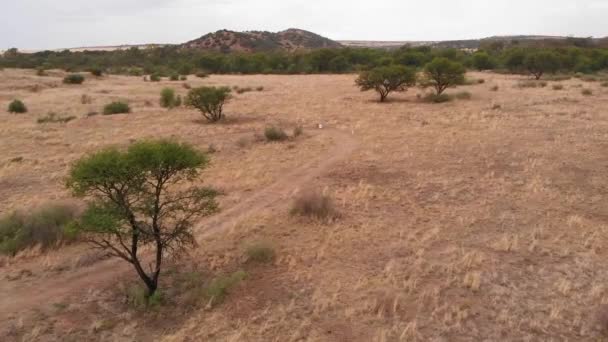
[(38, 24)]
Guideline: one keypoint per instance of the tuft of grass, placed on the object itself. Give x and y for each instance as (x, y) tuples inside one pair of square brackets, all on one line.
[(315, 205), (260, 88), (168, 98), (86, 99), (434, 98), (587, 92), (557, 87), (481, 81), (174, 77), (116, 108), (136, 298), (183, 78), (557, 77), (44, 226), (73, 79), (494, 88), (463, 95), (54, 118), (298, 131), (220, 287), (531, 84), (605, 84), (202, 74), (17, 107), (273, 133), (260, 252)]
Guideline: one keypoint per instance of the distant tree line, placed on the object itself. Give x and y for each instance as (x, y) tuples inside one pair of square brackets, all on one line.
[(171, 60)]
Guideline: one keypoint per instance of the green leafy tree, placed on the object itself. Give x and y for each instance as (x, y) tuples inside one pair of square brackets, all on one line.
[(386, 79), (441, 73), (209, 100), (135, 202), (483, 61), (513, 59), (540, 62)]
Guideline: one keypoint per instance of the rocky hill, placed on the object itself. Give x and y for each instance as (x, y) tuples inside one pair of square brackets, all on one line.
[(256, 41)]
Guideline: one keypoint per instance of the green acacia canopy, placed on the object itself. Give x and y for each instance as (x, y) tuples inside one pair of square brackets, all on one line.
[(386, 79)]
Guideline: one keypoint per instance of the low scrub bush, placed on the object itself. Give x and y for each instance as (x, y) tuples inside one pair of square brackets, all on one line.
[(54, 118), (73, 79), (202, 74), (44, 227), (97, 72), (557, 77), (605, 84), (116, 108), (298, 131), (183, 78), (587, 92), (174, 77), (168, 98), (531, 84), (260, 88), (17, 107), (40, 71), (273, 133), (260, 252), (86, 99), (155, 78), (557, 87), (434, 98), (219, 287), (463, 95), (315, 205), (209, 100), (495, 88)]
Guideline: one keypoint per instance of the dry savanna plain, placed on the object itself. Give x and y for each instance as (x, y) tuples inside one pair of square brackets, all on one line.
[(477, 219)]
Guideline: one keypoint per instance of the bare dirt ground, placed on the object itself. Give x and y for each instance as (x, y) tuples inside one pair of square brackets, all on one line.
[(480, 219)]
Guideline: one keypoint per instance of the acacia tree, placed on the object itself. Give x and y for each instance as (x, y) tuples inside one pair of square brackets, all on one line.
[(441, 73), (209, 100), (541, 62), (134, 202), (386, 79)]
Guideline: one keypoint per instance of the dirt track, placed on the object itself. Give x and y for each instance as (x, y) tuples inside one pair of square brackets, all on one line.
[(72, 283)]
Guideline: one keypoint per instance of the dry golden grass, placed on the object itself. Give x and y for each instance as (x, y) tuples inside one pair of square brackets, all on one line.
[(468, 220)]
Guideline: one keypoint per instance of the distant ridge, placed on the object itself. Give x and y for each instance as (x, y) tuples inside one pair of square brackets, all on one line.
[(256, 41)]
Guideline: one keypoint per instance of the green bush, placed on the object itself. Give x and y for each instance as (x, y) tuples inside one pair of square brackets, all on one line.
[(434, 98), (540, 62), (442, 73), (44, 227), (209, 100), (174, 77), (202, 74), (531, 84), (40, 71), (97, 72), (386, 79), (116, 107), (155, 78), (167, 98), (587, 92), (73, 79), (17, 106), (273, 133), (183, 78), (260, 252), (483, 61)]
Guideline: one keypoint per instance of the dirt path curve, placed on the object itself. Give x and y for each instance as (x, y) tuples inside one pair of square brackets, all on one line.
[(46, 291)]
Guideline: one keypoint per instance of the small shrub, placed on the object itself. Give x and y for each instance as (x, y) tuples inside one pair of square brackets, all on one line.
[(86, 99), (496, 106), (178, 101), (96, 72), (155, 78), (463, 95), (202, 74), (605, 84), (167, 98), (587, 92), (315, 205), (211, 149), (260, 88), (40, 72), (116, 108), (298, 131), (558, 87), (90, 114), (17, 107), (137, 298), (209, 100), (183, 78), (494, 88), (44, 227), (434, 98), (174, 77), (260, 252), (219, 287), (73, 79), (557, 77), (186, 86), (481, 81), (531, 84), (273, 133), (242, 90), (54, 118)]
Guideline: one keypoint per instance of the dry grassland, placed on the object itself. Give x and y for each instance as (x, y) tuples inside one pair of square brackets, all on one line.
[(480, 219)]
